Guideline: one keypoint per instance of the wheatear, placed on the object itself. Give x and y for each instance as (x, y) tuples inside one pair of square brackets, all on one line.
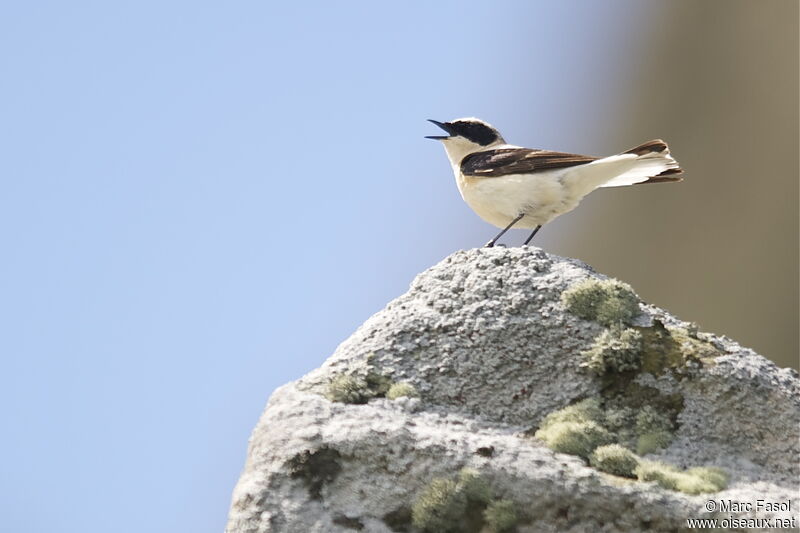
[(509, 185)]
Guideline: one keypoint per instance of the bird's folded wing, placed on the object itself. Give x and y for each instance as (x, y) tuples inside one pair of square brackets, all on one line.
[(505, 161)]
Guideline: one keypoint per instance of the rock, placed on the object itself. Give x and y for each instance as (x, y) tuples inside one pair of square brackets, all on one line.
[(487, 345)]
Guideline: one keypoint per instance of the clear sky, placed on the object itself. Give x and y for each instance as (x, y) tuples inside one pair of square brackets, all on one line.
[(200, 200)]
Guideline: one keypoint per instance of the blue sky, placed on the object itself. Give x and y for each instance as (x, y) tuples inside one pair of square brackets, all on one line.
[(201, 200)]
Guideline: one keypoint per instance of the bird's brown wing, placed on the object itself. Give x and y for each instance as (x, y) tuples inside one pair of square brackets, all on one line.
[(505, 161)]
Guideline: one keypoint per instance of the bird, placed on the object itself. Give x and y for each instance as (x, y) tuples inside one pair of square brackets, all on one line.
[(510, 186)]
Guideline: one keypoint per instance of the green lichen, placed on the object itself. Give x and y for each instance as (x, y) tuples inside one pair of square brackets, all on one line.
[(574, 438), (696, 480), (377, 384), (348, 389), (605, 301), (575, 430), (693, 484), (660, 351), (614, 459), (603, 432), (500, 516), (587, 410), (617, 420), (636, 417), (629, 394), (439, 507), (654, 349), (650, 442), (642, 418), (401, 389), (462, 505), (450, 506), (474, 486), (663, 474), (616, 350), (693, 347), (650, 420), (711, 474), (654, 430)]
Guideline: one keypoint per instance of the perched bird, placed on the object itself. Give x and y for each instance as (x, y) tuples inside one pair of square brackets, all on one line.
[(509, 185)]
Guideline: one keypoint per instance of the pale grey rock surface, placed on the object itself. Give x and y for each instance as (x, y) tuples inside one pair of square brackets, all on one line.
[(485, 339)]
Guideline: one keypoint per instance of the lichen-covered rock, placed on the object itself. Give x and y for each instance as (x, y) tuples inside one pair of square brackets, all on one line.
[(399, 390), (445, 390), (615, 350), (615, 459)]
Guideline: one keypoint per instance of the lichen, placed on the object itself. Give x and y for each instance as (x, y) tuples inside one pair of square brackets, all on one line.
[(575, 429), (653, 429), (654, 349), (614, 459), (574, 438), (711, 474), (587, 410), (601, 434), (439, 507), (474, 486), (696, 480), (617, 420), (500, 516), (634, 417), (462, 505), (693, 484), (605, 301), (663, 474), (650, 442), (377, 384), (641, 417), (637, 396), (616, 349), (348, 389), (660, 351), (447, 505), (692, 346), (401, 389), (649, 420)]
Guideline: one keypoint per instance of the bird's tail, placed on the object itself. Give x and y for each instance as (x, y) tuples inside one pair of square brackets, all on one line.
[(652, 164), (647, 163)]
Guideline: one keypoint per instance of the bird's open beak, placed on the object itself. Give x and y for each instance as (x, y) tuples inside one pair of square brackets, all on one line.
[(445, 126)]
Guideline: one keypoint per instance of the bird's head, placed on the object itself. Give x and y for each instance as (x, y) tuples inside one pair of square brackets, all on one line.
[(465, 136)]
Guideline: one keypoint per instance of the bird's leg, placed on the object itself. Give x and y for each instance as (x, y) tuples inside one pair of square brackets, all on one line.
[(531, 235), (491, 243)]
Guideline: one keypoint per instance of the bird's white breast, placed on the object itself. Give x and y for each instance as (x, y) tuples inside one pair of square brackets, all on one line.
[(499, 200)]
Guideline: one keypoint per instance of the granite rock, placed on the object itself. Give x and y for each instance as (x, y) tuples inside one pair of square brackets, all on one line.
[(488, 346)]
